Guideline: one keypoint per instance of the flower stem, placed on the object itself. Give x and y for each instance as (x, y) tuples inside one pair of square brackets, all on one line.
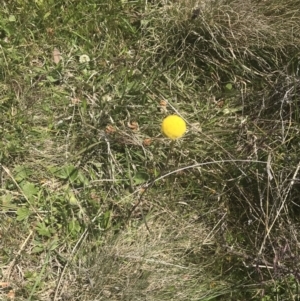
[(169, 154)]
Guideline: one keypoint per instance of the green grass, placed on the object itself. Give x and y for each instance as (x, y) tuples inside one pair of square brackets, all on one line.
[(96, 204)]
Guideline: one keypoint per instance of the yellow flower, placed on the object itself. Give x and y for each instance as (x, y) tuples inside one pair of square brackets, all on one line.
[(173, 127)]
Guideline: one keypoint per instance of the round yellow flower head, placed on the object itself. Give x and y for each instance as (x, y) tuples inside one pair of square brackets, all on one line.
[(173, 127)]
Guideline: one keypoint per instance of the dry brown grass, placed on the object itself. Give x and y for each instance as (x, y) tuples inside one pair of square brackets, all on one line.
[(224, 229), (137, 265)]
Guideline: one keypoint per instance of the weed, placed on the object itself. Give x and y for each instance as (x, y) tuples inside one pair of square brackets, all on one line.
[(84, 87)]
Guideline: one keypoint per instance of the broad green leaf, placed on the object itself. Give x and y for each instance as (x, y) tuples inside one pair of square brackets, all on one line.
[(68, 172), (228, 86), (29, 189), (12, 18), (43, 230), (72, 199), (23, 213), (82, 178), (74, 227), (47, 14), (21, 173), (6, 201), (140, 178)]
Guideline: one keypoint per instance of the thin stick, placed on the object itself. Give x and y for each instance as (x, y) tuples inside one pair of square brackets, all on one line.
[(199, 165), (12, 264)]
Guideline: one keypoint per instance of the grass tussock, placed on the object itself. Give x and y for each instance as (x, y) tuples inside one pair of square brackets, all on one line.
[(136, 265), (96, 204)]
